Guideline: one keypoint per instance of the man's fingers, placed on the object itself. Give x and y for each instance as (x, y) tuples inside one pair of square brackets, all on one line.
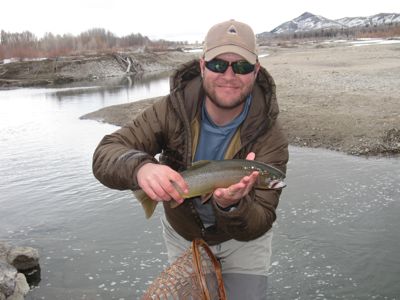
[(179, 183), (177, 187), (240, 189), (161, 183), (157, 189), (251, 156)]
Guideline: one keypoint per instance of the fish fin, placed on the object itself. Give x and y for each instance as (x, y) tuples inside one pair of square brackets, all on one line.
[(148, 205), (206, 197), (199, 164), (174, 204)]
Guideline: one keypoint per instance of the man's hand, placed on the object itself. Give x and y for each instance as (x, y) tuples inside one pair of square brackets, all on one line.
[(231, 195), (156, 181)]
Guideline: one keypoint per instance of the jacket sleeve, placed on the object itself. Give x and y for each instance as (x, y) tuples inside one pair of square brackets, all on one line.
[(255, 213), (120, 154)]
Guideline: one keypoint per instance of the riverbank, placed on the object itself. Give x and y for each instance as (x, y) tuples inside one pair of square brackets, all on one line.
[(334, 96), (342, 98), (88, 67)]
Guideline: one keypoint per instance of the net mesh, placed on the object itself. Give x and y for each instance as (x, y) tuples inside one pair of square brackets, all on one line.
[(196, 274)]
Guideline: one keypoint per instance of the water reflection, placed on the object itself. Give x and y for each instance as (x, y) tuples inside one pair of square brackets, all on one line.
[(139, 84), (337, 234)]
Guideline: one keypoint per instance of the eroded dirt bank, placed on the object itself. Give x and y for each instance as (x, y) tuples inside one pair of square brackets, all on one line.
[(88, 67)]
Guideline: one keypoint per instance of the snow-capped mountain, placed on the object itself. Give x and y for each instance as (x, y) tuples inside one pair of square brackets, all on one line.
[(306, 22), (375, 20), (309, 22)]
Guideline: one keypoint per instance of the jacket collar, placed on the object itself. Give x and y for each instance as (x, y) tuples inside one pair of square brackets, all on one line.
[(186, 88)]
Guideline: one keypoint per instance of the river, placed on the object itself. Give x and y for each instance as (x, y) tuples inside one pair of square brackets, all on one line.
[(337, 234)]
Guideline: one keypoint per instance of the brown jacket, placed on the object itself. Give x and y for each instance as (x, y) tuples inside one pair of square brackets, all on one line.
[(170, 127)]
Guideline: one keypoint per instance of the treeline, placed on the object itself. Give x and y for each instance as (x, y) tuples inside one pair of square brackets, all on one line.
[(382, 31), (27, 45)]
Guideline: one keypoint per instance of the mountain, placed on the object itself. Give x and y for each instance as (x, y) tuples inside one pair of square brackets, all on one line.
[(310, 22), (375, 20), (306, 22)]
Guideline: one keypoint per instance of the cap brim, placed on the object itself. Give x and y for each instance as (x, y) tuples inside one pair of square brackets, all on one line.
[(246, 54)]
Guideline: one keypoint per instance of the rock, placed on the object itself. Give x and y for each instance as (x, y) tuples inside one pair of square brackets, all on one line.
[(8, 275), (21, 288), (14, 285), (4, 249), (23, 258), (33, 276)]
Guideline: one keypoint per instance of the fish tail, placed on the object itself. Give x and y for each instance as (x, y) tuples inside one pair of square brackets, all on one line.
[(148, 205)]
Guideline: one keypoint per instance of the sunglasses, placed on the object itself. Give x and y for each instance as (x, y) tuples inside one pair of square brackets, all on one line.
[(241, 67)]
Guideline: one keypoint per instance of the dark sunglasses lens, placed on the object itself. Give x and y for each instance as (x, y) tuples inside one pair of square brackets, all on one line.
[(242, 67), (217, 65)]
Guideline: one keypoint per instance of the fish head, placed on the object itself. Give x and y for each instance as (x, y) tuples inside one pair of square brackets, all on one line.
[(267, 182), (270, 180)]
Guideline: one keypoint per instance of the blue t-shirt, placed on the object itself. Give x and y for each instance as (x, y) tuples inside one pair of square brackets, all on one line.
[(213, 142)]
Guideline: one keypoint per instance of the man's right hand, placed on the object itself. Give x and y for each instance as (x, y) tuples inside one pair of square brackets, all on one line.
[(156, 181)]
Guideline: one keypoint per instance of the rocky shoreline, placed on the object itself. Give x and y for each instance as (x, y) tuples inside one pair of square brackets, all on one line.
[(15, 264)]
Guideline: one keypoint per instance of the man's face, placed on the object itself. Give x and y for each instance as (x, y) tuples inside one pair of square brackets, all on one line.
[(227, 90)]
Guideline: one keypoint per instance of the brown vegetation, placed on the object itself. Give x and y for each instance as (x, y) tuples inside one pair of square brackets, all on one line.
[(27, 45)]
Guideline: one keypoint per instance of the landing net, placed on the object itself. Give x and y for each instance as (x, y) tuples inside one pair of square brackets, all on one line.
[(196, 275)]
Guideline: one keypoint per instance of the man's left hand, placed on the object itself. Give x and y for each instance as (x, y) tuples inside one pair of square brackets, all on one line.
[(231, 195)]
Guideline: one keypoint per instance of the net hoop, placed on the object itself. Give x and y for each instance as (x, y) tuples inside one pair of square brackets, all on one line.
[(196, 244), (195, 275)]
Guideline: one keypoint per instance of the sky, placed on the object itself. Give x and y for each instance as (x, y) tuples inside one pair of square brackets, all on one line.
[(171, 19)]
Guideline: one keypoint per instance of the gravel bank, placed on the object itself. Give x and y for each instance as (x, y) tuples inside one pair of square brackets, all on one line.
[(337, 97)]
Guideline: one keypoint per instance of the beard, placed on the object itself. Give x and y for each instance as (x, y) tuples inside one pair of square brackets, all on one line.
[(234, 102)]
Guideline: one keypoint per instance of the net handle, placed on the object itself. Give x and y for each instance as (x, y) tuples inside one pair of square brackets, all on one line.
[(196, 244)]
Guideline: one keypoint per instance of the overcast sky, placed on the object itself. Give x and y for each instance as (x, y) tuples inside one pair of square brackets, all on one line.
[(171, 19)]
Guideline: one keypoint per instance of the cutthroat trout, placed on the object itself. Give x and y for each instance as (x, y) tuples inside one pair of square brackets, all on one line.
[(203, 177)]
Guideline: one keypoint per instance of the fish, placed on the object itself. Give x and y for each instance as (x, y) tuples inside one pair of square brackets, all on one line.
[(204, 176)]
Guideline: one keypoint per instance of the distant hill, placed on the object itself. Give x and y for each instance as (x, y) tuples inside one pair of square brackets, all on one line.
[(375, 20), (309, 22), (306, 22)]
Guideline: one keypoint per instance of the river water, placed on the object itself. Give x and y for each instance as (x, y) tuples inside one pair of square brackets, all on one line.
[(337, 234)]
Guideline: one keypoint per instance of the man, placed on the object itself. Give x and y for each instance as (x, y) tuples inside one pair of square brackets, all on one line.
[(220, 107)]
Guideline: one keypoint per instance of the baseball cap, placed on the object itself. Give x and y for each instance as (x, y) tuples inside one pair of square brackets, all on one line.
[(230, 37)]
